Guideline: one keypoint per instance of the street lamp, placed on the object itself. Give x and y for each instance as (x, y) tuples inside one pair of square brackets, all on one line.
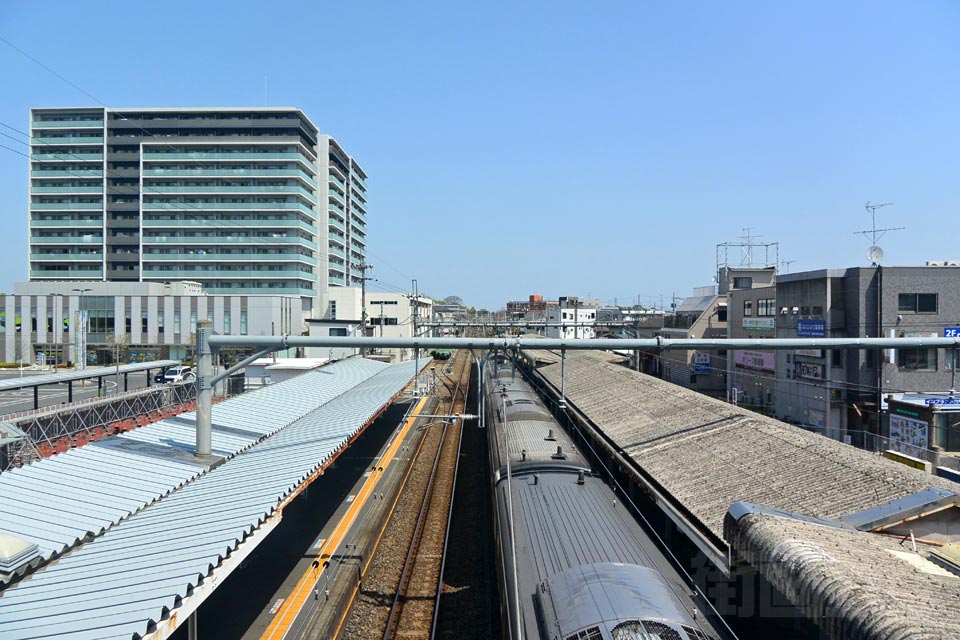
[(80, 334)]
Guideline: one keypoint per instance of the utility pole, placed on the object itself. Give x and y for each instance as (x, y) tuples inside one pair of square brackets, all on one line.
[(363, 266), (416, 350)]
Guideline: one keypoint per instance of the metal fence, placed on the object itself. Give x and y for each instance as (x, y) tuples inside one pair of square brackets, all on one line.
[(53, 429), (878, 444)]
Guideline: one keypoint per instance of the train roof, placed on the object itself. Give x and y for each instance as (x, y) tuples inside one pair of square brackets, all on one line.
[(592, 601), (560, 525)]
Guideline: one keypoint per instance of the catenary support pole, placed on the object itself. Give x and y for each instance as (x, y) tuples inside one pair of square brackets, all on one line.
[(204, 388)]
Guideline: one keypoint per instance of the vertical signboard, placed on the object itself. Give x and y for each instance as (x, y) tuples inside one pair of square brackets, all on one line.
[(701, 363)]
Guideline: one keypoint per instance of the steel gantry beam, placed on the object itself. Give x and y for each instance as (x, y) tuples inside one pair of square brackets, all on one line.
[(209, 344)]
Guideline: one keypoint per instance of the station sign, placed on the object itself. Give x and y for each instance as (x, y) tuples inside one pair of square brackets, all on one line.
[(811, 328)]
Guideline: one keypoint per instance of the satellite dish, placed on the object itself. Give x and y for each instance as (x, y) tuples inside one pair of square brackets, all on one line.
[(875, 254)]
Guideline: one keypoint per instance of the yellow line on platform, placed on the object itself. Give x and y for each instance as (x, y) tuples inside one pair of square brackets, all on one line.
[(301, 592)]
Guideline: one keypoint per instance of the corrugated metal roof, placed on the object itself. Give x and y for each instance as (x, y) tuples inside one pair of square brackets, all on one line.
[(57, 502), (84, 374), (119, 584), (696, 303)]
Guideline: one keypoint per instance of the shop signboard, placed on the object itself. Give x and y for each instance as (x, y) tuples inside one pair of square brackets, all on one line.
[(810, 370), (760, 324), (759, 360), (811, 328), (701, 363)]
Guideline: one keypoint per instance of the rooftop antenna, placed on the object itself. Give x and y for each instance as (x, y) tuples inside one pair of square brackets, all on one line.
[(874, 252), (785, 265)]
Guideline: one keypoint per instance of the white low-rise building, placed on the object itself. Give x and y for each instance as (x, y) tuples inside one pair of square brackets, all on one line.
[(570, 318)]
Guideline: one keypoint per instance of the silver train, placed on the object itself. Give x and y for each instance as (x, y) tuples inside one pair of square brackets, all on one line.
[(573, 563)]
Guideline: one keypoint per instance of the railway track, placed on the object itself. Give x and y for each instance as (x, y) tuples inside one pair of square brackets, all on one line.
[(402, 584)]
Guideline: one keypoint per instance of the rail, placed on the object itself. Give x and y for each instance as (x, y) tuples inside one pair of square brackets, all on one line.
[(391, 628)]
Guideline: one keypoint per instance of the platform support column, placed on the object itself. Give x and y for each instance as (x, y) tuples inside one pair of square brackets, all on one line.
[(204, 389)]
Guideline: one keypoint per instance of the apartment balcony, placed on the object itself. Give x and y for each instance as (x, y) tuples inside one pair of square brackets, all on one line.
[(72, 272), (67, 141), (227, 156), (68, 223), (251, 256), (230, 173), (67, 257), (259, 274), (197, 189), (67, 157), (79, 239), (66, 124), (229, 224), (206, 240), (72, 173), (66, 206), (229, 206), (97, 188)]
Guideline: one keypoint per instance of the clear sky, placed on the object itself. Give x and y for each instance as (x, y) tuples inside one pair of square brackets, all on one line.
[(560, 148)]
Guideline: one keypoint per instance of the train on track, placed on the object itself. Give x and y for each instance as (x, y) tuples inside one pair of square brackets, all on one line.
[(573, 563)]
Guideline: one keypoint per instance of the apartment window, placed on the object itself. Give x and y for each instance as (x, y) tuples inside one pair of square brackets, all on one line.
[(338, 332), (226, 321), (721, 314), (836, 357), (743, 283), (917, 359), (917, 302), (747, 308), (767, 308), (952, 359), (243, 322), (333, 309)]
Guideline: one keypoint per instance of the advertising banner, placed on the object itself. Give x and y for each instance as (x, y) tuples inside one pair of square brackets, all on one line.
[(909, 432), (759, 360)]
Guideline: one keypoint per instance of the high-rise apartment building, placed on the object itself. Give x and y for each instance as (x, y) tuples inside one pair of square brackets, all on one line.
[(244, 201)]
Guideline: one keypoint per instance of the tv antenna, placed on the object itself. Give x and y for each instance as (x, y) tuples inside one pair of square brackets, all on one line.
[(874, 252)]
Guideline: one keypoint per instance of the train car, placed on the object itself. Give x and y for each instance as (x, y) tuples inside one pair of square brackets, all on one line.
[(573, 563), (441, 354)]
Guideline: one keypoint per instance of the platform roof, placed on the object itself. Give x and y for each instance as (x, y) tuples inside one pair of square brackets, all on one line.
[(58, 502), (26, 382), (855, 584), (146, 574), (709, 454)]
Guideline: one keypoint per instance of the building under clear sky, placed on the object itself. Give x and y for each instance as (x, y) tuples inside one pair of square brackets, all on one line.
[(243, 200)]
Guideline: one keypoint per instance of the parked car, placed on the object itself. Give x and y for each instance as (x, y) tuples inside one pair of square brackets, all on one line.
[(179, 374), (158, 377)]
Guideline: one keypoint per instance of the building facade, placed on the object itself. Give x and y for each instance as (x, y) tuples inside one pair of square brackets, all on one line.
[(751, 375), (841, 392), (56, 322), (243, 201), (571, 318)]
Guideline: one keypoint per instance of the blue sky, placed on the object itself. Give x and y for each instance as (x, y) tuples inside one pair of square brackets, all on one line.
[(559, 148)]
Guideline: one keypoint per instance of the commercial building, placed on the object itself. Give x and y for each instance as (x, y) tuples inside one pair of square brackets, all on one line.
[(571, 318), (704, 315), (245, 201), (840, 393), (389, 315), (57, 322), (751, 375)]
